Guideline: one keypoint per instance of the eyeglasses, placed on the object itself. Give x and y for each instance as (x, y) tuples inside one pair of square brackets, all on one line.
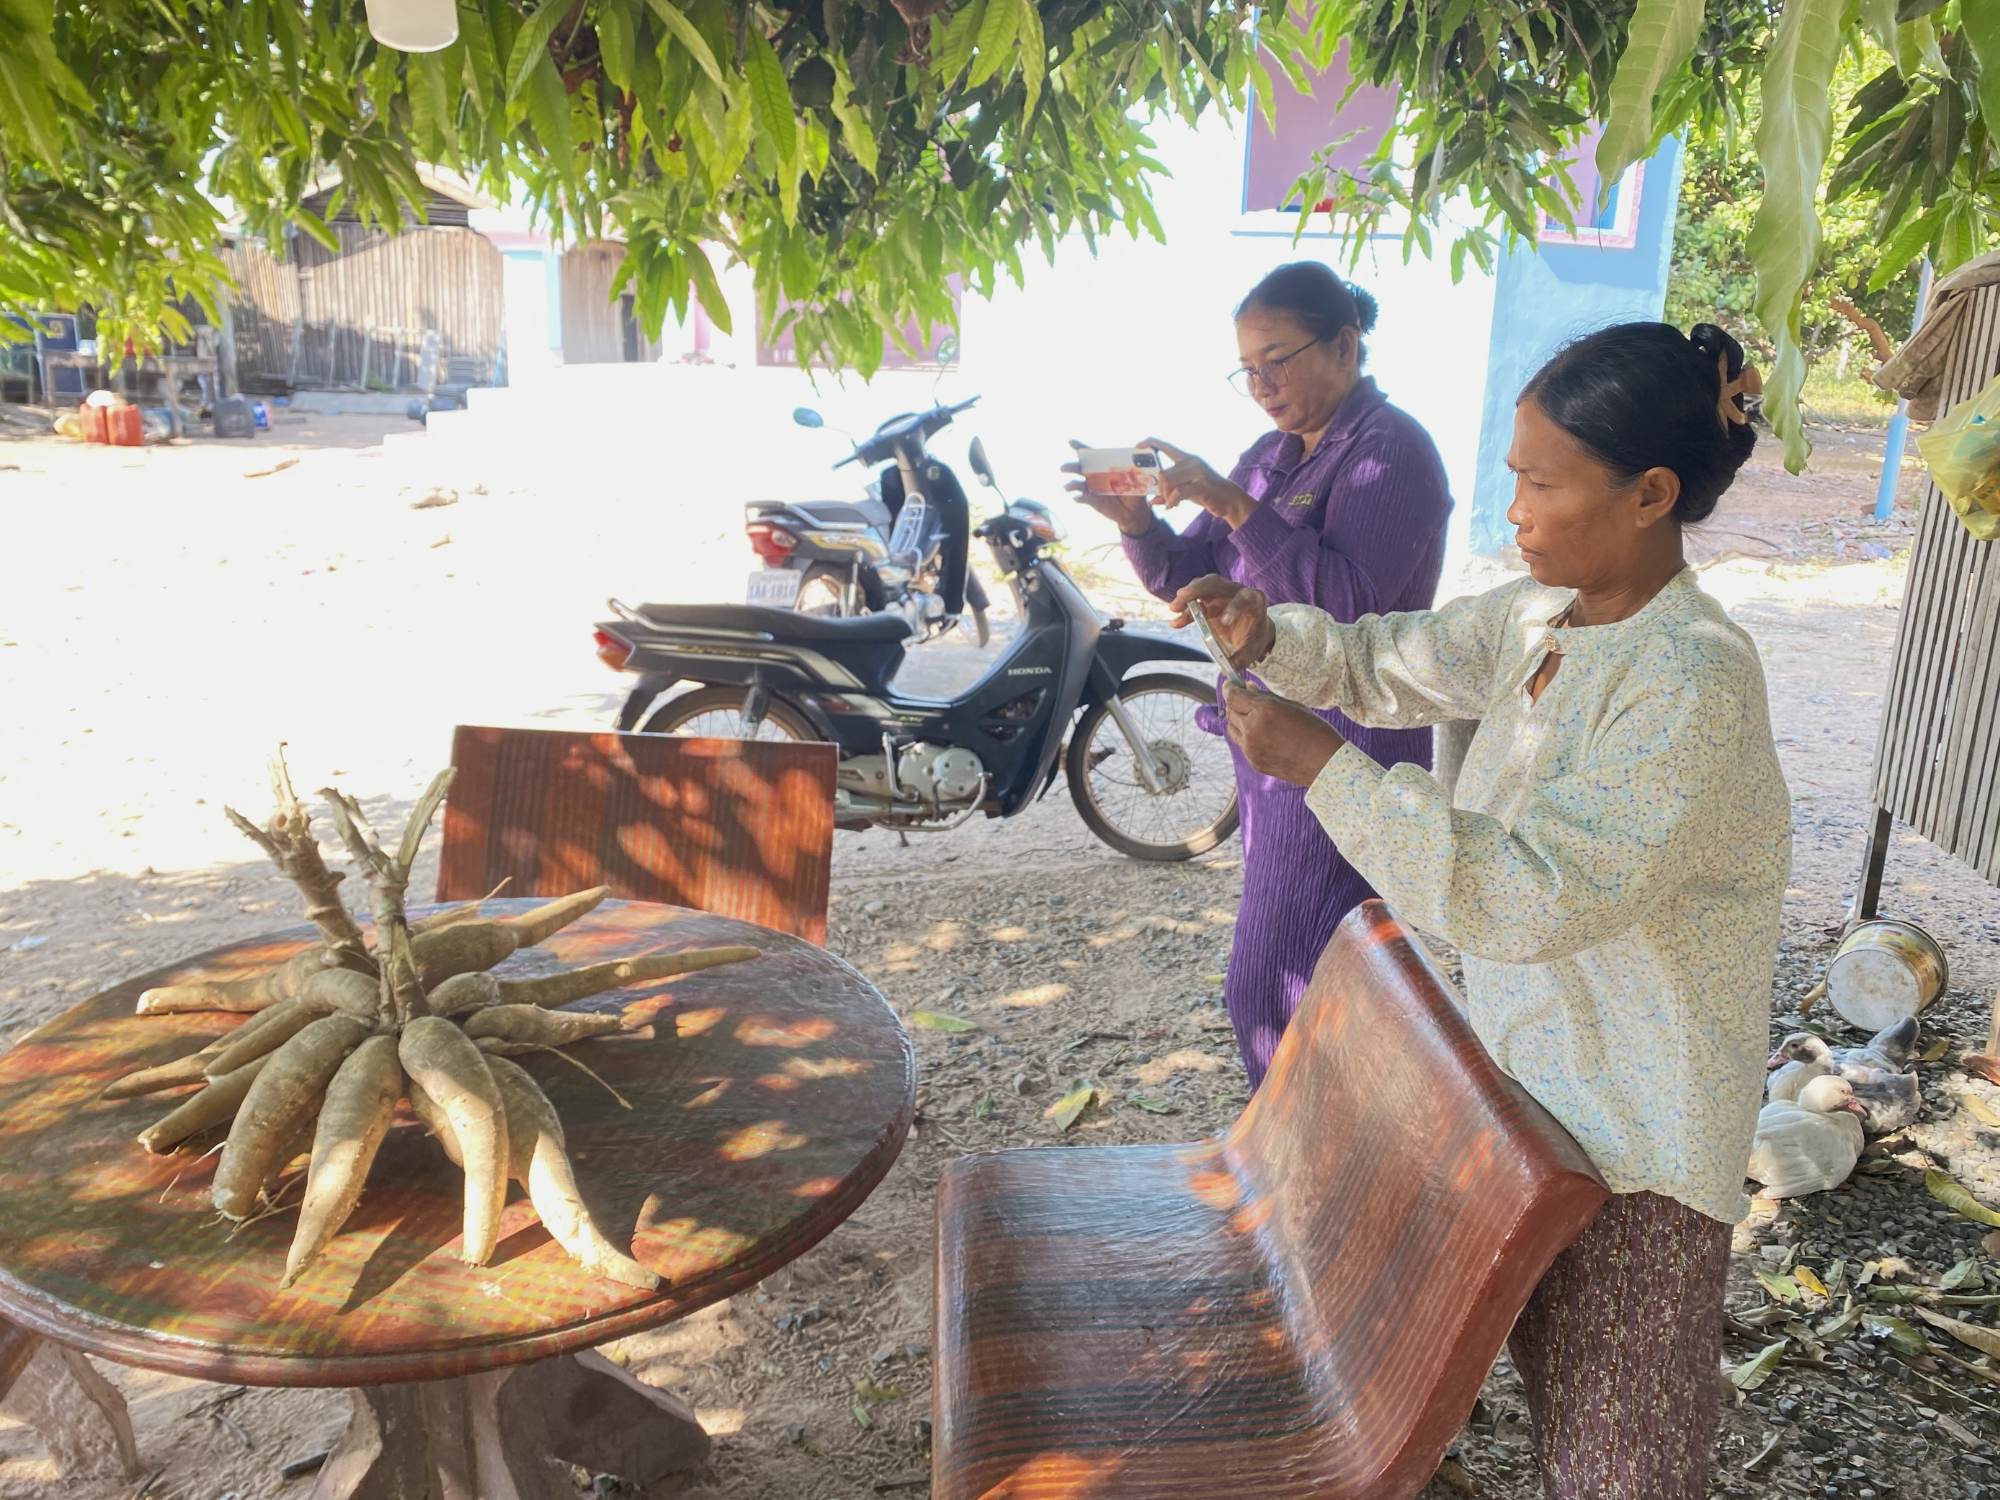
[(1271, 375)]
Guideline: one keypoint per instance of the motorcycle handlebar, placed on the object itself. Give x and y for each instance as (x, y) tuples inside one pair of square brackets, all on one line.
[(882, 444)]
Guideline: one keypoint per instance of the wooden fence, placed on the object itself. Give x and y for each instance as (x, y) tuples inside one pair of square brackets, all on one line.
[(1937, 759), (356, 318)]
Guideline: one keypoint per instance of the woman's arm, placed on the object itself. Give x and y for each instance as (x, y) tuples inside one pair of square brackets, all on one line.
[(1587, 855), (1391, 671)]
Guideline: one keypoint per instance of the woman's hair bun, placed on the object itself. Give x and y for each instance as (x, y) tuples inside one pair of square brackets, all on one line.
[(1639, 396), (1308, 291), (1364, 307)]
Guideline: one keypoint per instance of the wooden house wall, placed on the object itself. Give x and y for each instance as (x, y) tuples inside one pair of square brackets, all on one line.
[(596, 330), (1937, 761), (355, 318)]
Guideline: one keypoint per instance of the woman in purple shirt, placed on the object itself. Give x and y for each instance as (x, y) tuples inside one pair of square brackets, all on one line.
[(1342, 507)]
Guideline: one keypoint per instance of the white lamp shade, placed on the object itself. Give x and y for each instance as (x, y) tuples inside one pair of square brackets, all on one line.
[(414, 25)]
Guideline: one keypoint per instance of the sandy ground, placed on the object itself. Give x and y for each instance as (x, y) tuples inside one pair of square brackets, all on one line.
[(165, 619)]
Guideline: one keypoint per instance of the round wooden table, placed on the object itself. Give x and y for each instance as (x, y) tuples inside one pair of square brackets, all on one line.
[(768, 1101)]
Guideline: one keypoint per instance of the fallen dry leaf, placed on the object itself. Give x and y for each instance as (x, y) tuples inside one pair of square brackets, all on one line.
[(277, 468), (1951, 1193), (1981, 1066), (1980, 1110), (1066, 1109), (1985, 1340)]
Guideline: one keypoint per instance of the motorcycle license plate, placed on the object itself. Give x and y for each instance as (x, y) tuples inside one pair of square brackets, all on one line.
[(774, 588)]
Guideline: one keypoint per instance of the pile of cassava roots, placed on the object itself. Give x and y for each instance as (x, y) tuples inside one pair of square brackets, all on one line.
[(344, 1032)]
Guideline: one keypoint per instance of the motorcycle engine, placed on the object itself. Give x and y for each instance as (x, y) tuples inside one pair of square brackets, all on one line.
[(940, 773)]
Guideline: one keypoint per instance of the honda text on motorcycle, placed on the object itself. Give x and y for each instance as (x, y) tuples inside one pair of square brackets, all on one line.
[(1063, 698)]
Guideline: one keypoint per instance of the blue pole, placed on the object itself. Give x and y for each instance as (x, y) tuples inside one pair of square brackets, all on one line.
[(1899, 425)]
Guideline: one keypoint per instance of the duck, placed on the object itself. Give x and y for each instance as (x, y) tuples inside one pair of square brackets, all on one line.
[(1890, 1096), (1808, 1145), (1800, 1058)]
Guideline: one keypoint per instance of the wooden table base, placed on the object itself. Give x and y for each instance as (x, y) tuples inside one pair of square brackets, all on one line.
[(78, 1414), (508, 1435)]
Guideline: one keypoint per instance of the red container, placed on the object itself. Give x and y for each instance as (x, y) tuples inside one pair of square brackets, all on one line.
[(95, 429), (123, 427)]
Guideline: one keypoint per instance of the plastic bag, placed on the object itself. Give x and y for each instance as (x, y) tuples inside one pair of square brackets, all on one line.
[(1963, 451)]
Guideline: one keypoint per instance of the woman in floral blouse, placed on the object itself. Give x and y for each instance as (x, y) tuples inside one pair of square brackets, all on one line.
[(1612, 867)]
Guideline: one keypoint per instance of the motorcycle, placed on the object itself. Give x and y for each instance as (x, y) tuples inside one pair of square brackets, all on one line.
[(838, 558), (1145, 778)]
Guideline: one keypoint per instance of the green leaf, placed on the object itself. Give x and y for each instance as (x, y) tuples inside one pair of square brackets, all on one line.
[(532, 45), (548, 112), (1784, 238), (1151, 1105), (616, 40), (954, 44), (854, 127), (983, 1110), (1082, 1094), (1661, 38), (1755, 1371), (1878, 18), (1980, 20), (933, 1020), (861, 1417), (1034, 55), (1782, 1287), (27, 110), (707, 290), (684, 32), (1964, 1274), (998, 30)]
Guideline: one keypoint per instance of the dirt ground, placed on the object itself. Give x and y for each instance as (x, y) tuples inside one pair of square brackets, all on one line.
[(165, 619)]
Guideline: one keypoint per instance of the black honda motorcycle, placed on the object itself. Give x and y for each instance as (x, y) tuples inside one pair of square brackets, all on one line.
[(884, 552), (1146, 778)]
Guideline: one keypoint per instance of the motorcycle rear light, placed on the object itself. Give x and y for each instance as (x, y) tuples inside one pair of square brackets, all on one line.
[(772, 543), (613, 652)]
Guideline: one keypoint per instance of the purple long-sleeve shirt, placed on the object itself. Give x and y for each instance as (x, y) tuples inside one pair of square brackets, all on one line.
[(1356, 528)]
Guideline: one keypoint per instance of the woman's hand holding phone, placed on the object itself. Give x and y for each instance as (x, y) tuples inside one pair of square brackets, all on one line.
[(1189, 478), (1238, 614), (1131, 514)]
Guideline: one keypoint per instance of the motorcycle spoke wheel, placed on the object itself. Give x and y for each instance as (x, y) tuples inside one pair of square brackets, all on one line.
[(716, 713), (1197, 808)]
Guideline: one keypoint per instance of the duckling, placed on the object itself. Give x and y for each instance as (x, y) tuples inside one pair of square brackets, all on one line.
[(1810, 1145)]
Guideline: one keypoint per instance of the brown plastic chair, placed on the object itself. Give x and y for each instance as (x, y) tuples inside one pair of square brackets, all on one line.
[(742, 828), (1303, 1308)]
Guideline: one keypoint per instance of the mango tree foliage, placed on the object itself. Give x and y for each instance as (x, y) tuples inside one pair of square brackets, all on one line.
[(1495, 97), (857, 153)]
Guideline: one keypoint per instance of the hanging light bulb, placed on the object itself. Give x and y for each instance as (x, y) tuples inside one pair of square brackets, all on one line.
[(413, 25)]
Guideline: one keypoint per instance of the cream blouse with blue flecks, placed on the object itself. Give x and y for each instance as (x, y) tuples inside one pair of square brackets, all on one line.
[(1612, 865)]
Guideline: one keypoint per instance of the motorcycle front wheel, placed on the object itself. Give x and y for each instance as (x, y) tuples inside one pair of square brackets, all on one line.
[(716, 713), (1193, 811)]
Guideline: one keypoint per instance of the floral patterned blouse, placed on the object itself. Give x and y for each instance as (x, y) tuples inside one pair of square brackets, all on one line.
[(1612, 868)]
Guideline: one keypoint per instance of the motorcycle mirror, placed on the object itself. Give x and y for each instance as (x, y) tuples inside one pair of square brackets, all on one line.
[(976, 456), (805, 416)]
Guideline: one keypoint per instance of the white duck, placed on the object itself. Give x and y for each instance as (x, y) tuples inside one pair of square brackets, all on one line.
[(1890, 1097), (1809, 1145), (1800, 1058)]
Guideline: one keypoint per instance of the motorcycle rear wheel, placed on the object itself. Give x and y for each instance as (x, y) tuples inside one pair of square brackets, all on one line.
[(717, 713), (823, 591), (1112, 799)]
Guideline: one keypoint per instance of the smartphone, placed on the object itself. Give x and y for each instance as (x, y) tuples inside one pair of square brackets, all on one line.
[(1120, 471), (1215, 650)]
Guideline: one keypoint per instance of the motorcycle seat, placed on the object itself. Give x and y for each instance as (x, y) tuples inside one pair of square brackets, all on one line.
[(781, 624)]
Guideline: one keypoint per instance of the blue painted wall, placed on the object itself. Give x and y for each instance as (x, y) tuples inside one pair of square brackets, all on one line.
[(1542, 299)]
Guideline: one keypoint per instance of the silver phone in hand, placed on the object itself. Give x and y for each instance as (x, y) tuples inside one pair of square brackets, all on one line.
[(1215, 650)]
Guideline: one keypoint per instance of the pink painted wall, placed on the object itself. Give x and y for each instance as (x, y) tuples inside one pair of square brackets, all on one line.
[(1277, 159)]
